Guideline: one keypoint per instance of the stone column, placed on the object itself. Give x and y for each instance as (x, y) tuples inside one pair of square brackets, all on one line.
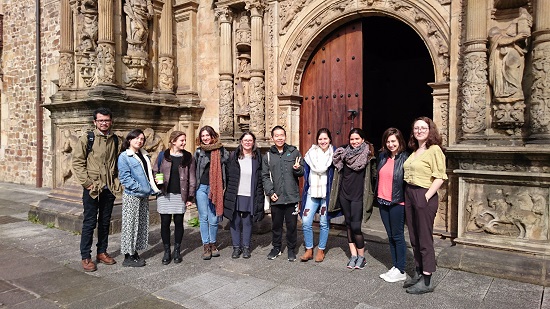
[(105, 73), (257, 84), (225, 18), (166, 58), (473, 85), (540, 91), (66, 50)]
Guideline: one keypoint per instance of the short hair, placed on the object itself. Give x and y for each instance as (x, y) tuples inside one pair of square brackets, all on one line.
[(103, 111), (213, 135), (175, 135), (240, 147), (275, 128), (433, 134), (326, 131), (133, 134), (398, 135)]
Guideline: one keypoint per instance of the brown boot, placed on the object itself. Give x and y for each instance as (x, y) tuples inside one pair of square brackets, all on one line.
[(105, 259), (320, 256), (207, 255), (308, 255), (214, 250), (88, 265)]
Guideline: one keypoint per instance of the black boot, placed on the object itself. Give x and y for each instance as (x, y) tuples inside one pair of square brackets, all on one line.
[(167, 258), (177, 256)]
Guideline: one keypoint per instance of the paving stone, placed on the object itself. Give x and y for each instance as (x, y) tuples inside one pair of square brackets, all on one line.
[(115, 296), (15, 296), (280, 297), (36, 303), (193, 287), (517, 293), (148, 302), (54, 281)]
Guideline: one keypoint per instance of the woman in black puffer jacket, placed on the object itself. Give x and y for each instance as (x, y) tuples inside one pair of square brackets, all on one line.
[(244, 197)]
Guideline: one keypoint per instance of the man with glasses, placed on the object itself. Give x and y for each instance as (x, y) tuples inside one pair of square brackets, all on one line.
[(94, 164)]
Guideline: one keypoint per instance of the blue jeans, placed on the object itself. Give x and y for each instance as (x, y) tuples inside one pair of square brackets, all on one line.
[(393, 217), (96, 212), (207, 215), (312, 205)]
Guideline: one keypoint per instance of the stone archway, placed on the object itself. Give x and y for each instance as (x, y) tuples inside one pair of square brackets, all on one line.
[(428, 19)]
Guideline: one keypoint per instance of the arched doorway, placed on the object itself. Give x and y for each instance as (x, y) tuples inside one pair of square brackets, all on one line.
[(376, 66)]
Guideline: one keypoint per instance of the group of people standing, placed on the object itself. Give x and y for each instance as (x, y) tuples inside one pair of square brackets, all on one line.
[(345, 180)]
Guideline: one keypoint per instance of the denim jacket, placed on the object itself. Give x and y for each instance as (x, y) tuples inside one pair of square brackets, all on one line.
[(131, 174)]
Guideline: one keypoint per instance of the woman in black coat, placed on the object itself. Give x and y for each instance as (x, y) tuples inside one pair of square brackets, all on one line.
[(244, 197)]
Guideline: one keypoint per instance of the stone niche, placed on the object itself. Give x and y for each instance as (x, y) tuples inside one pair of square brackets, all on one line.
[(503, 217)]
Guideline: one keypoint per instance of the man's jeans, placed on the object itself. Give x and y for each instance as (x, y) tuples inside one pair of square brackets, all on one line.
[(312, 205), (96, 212), (207, 215)]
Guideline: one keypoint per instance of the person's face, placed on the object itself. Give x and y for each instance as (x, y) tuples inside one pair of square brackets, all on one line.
[(179, 143), (247, 143), (205, 137), (355, 140), (137, 143), (421, 130), (392, 144), (279, 138), (103, 123), (323, 141)]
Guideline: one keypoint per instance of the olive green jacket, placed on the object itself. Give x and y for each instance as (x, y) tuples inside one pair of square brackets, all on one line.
[(99, 169), (368, 193)]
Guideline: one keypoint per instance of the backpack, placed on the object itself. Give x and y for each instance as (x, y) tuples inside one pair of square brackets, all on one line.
[(90, 144), (159, 160)]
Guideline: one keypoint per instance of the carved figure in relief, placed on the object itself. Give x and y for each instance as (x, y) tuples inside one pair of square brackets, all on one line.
[(289, 11), (166, 74), (153, 143), (507, 58), (138, 12), (88, 26), (540, 98), (68, 142), (226, 107)]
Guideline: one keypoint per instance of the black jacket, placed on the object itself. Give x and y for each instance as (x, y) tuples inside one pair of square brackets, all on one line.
[(233, 172), (279, 177), (398, 185)]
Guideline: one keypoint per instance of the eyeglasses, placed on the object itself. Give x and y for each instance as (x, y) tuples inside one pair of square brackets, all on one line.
[(420, 129), (103, 121)]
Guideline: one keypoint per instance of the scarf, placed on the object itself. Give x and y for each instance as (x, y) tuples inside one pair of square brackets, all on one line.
[(354, 158), (318, 162), (216, 176)]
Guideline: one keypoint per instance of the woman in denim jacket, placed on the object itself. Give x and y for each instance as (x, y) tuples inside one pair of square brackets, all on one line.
[(135, 174)]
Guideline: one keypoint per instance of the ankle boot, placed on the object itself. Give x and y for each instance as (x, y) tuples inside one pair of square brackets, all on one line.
[(214, 250), (167, 258), (320, 256), (308, 255), (207, 254), (177, 256)]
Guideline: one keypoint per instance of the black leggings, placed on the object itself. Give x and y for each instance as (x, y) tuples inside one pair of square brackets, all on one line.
[(165, 220), (353, 214)]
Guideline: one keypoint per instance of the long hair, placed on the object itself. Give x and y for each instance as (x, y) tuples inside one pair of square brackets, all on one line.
[(133, 134), (213, 135), (361, 134), (240, 147), (321, 131), (175, 135), (398, 135), (433, 135)]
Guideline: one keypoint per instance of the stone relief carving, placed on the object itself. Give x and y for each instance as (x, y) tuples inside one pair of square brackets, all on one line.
[(153, 143), (540, 91), (536, 167), (473, 92), (226, 107), (444, 130), (507, 211), (166, 74), (257, 115), (506, 65), (87, 31), (66, 70), (138, 14), (288, 10), (271, 83), (68, 142), (407, 9), (105, 72), (243, 35)]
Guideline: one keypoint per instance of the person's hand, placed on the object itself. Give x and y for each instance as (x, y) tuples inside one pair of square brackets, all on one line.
[(90, 187), (274, 197), (188, 204), (297, 163), (427, 198)]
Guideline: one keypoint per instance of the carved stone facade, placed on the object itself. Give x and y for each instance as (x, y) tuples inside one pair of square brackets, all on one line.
[(238, 65)]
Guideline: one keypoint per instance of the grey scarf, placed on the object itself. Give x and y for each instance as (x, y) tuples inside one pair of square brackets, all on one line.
[(354, 158)]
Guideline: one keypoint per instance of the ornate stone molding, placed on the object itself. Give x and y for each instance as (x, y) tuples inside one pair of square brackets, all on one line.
[(224, 14), (473, 92), (287, 12), (166, 74), (226, 107), (540, 90), (430, 25), (66, 70), (257, 103), (105, 73)]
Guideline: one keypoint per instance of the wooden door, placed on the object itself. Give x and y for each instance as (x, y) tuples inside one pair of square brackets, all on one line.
[(332, 86)]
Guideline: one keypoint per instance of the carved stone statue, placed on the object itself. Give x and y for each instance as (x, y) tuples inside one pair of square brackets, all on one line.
[(507, 58), (153, 143), (138, 14), (68, 142)]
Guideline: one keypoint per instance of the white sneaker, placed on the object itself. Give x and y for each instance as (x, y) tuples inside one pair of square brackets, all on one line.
[(395, 275), (384, 275)]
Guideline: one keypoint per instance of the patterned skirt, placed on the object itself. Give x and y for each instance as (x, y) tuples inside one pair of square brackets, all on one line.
[(135, 224)]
